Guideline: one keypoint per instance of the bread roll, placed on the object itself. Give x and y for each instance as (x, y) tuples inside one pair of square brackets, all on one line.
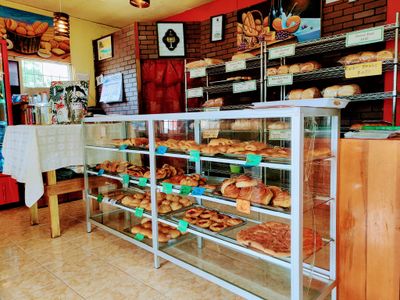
[(349, 90), (272, 71), (384, 55), (283, 70), (293, 69), (310, 66), (368, 56), (311, 93), (295, 94), (331, 91), (242, 56)]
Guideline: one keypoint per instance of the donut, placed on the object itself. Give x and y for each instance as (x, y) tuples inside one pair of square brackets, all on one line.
[(233, 222), (194, 212), (219, 218), (190, 220), (203, 223), (207, 214), (216, 227)]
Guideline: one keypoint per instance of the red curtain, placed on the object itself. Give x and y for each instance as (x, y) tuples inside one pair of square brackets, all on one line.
[(163, 86)]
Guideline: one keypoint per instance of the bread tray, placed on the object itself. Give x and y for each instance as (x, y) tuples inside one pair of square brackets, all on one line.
[(210, 180), (317, 102), (177, 216)]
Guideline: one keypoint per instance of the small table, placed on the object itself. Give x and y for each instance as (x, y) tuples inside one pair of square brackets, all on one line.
[(31, 150)]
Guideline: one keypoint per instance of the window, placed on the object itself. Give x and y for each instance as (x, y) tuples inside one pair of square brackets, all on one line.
[(39, 74)]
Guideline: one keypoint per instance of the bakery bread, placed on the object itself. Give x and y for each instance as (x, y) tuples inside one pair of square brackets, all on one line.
[(243, 181), (218, 102), (309, 66), (384, 55), (196, 64), (272, 71), (350, 59), (274, 239), (349, 90), (295, 68), (242, 56), (213, 61), (283, 70), (246, 124), (331, 91), (282, 199), (295, 94), (279, 125), (310, 93), (367, 56)]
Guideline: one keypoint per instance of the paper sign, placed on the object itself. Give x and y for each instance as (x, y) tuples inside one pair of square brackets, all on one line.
[(185, 190), (100, 172), (245, 86), (139, 237), (232, 66), (161, 149), (125, 179), (279, 134), (243, 206), (142, 181), (198, 72), (182, 226), (253, 160), (280, 80), (284, 51), (364, 69), (100, 198), (123, 147), (212, 108), (194, 155), (365, 36), (210, 133), (167, 187), (195, 93), (139, 212), (198, 191)]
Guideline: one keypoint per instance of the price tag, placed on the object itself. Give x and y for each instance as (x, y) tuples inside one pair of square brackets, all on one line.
[(365, 36), (100, 172), (364, 69), (253, 160), (195, 93), (142, 181), (243, 206), (235, 169), (279, 134), (100, 198), (245, 86), (185, 190), (139, 212), (161, 149), (123, 147), (198, 72), (125, 179), (280, 80), (212, 108), (139, 237), (167, 188), (182, 226), (232, 66), (284, 51), (210, 133), (198, 191), (194, 155)]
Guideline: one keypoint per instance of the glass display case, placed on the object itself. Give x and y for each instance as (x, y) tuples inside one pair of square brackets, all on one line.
[(245, 199)]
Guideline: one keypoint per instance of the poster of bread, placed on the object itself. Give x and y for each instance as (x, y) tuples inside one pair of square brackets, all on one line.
[(276, 21), (32, 36)]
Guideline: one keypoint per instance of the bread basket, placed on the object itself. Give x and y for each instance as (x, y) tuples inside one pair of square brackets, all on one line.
[(24, 44)]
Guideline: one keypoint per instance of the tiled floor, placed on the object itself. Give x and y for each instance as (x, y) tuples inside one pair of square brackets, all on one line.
[(85, 266)]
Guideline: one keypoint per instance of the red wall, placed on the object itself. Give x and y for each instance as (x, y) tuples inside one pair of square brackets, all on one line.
[(216, 7)]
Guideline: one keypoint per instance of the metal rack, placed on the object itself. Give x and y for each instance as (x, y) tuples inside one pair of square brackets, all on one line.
[(297, 273), (322, 45)]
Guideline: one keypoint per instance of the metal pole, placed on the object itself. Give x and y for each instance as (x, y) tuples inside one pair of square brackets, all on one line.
[(396, 59), (197, 139), (186, 87), (262, 72), (86, 180)]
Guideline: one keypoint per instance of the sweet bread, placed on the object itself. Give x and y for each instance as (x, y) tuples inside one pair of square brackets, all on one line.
[(282, 199), (176, 205), (282, 70), (295, 94), (216, 227), (245, 181), (295, 68), (331, 91), (203, 223), (163, 209), (207, 214)]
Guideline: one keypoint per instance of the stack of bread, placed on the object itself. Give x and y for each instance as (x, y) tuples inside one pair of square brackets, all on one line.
[(341, 91), (244, 187), (191, 180), (294, 69), (210, 219), (367, 56), (135, 142), (301, 94), (165, 232)]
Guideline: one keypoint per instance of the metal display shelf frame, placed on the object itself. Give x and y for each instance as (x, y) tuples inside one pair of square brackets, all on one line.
[(299, 271)]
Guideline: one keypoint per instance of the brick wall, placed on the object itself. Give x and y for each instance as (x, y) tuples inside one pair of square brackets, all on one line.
[(342, 16), (148, 40), (123, 61)]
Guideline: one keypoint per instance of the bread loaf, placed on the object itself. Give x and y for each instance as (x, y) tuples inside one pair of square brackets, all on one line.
[(196, 64), (310, 93), (295, 94), (279, 125), (349, 90), (242, 56), (213, 61), (283, 70), (293, 69), (367, 56), (350, 59), (384, 55), (331, 91), (272, 71), (309, 66)]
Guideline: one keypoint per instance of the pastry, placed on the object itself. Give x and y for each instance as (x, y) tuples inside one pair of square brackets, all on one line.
[(272, 71), (282, 199), (274, 238), (310, 93), (350, 59), (190, 220), (163, 209), (233, 222), (261, 194), (295, 68), (176, 205), (229, 189), (331, 92), (349, 90), (218, 102), (203, 223), (367, 56), (295, 94), (207, 214), (194, 212), (216, 227), (384, 55), (275, 189), (309, 66), (219, 218), (283, 70), (174, 233)]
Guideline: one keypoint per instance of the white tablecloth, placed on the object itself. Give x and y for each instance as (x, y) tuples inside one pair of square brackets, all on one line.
[(30, 150)]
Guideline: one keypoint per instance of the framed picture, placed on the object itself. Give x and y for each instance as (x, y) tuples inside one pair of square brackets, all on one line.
[(105, 48), (171, 39), (217, 28)]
